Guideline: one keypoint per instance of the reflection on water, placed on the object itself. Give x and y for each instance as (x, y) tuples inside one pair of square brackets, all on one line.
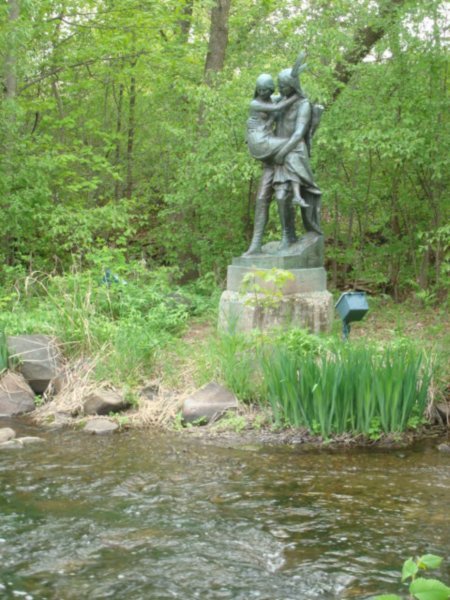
[(148, 515)]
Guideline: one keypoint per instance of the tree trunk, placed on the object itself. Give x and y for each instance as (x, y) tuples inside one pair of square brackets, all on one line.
[(11, 59), (186, 18), (218, 39), (118, 133), (130, 142)]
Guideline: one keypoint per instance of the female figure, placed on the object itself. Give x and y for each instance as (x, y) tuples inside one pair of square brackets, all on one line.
[(262, 143)]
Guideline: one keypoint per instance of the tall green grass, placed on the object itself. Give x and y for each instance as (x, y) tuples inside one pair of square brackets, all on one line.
[(348, 390)]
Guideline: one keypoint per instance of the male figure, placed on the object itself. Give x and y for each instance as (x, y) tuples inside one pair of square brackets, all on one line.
[(292, 162)]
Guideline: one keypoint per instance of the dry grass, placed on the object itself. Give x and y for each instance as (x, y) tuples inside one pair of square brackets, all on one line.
[(75, 384), (158, 412)]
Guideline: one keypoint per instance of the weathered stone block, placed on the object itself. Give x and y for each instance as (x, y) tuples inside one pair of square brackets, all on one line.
[(242, 312)]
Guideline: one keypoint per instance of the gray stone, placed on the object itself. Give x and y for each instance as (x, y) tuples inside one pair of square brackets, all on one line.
[(30, 439), (100, 426), (11, 445), (102, 402), (150, 391), (308, 252), (16, 396), (37, 357), (444, 448), (313, 311), (57, 383), (207, 403), (6, 434), (304, 280), (443, 409)]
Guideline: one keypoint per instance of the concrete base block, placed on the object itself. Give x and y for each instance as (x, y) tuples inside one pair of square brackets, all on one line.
[(243, 312)]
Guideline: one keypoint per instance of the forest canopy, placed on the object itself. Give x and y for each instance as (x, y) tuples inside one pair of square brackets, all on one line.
[(122, 127)]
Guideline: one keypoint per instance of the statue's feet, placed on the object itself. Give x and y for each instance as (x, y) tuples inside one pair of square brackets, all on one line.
[(284, 245), (300, 202), (316, 229), (254, 249)]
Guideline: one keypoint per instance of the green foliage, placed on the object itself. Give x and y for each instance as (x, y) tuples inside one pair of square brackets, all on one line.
[(113, 138), (324, 385), (237, 365), (351, 389), (300, 342), (231, 422), (421, 588), (265, 287), (124, 320)]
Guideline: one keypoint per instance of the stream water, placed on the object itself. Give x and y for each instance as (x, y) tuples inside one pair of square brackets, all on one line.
[(146, 515)]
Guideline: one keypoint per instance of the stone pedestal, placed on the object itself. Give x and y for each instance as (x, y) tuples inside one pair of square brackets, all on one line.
[(313, 311), (302, 301)]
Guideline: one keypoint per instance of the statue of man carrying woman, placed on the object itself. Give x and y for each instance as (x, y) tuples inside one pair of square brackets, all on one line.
[(279, 134)]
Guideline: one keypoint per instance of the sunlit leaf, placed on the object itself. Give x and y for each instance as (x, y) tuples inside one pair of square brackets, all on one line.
[(429, 589)]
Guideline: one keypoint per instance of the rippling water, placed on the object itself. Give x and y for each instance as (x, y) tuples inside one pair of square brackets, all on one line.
[(147, 515)]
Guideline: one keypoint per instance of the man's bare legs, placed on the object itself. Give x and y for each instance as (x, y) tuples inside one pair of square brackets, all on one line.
[(287, 215)]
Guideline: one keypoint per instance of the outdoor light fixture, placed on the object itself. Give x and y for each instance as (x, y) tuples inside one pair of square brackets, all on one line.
[(351, 306)]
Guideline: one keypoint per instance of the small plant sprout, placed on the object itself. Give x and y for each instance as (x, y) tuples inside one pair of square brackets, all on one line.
[(265, 287)]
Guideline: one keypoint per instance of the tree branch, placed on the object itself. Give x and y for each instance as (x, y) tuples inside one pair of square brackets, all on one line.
[(364, 40)]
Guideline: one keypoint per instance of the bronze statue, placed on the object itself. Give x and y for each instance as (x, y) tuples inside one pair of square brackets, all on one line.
[(285, 154)]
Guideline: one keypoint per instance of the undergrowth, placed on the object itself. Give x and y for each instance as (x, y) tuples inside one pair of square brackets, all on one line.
[(328, 386), (124, 315)]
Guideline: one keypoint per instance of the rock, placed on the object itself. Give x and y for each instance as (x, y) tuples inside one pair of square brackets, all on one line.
[(444, 410), (6, 434), (57, 383), (150, 391), (30, 439), (444, 448), (11, 444), (38, 357), (16, 396), (100, 426), (209, 401), (61, 419), (102, 402)]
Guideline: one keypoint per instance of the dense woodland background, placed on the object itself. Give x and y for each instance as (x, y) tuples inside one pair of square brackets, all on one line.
[(122, 133)]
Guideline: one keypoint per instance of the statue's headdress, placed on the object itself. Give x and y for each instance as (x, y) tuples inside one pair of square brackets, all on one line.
[(292, 76)]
